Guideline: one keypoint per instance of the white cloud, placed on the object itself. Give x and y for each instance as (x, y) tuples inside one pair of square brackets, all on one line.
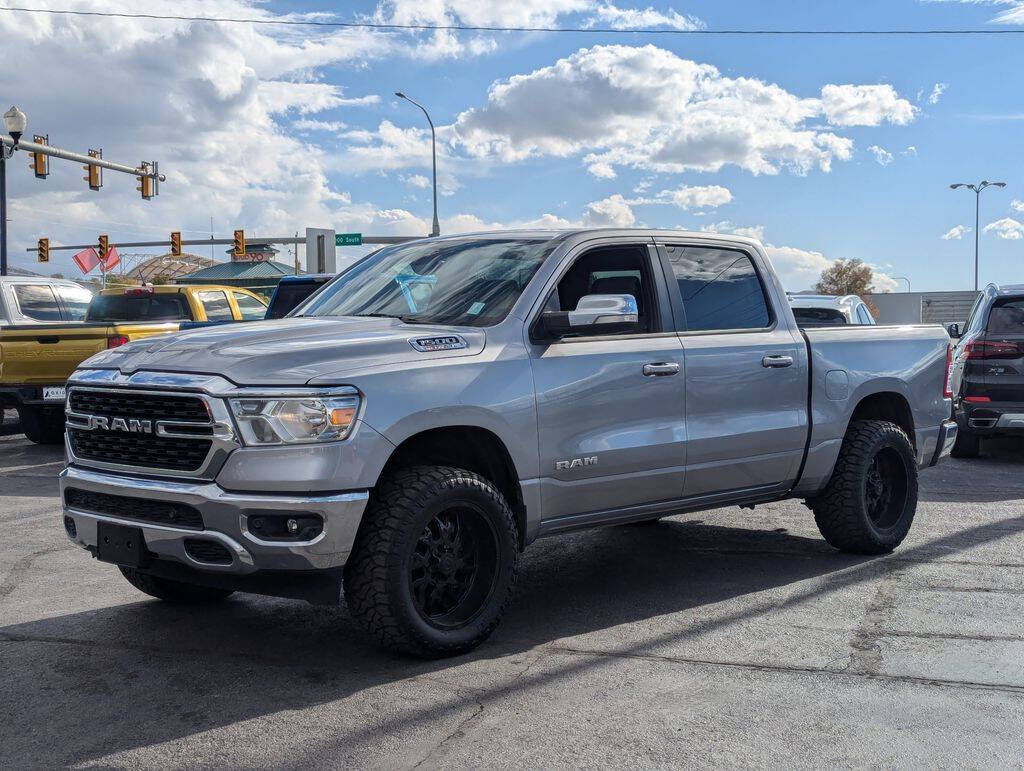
[(800, 269), (937, 91), (1013, 13), (647, 108), (1017, 205), (725, 226), (911, 150), (689, 197), (611, 212), (883, 156), (416, 180), (850, 105), (310, 124), (956, 233), (1006, 228), (633, 18)]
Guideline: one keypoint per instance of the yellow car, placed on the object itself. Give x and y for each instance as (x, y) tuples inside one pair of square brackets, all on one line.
[(36, 359)]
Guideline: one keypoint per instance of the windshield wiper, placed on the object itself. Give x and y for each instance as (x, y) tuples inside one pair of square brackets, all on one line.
[(407, 319)]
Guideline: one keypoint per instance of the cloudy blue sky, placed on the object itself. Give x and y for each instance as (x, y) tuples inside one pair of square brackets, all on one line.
[(824, 147)]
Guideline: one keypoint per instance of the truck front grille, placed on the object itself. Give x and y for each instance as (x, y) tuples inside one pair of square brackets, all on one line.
[(107, 441), (141, 450), (123, 404), (124, 507)]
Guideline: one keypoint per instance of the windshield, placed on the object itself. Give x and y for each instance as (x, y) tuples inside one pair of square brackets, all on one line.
[(463, 282)]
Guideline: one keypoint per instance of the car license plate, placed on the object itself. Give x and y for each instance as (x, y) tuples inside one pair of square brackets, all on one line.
[(55, 393), (121, 545)]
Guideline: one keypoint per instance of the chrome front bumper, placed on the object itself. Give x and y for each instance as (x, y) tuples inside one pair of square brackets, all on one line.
[(224, 518)]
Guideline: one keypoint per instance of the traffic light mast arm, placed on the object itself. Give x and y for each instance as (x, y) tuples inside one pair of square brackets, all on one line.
[(67, 155)]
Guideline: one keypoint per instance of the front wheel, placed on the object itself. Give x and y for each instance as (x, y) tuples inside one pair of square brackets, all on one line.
[(868, 505), (434, 563)]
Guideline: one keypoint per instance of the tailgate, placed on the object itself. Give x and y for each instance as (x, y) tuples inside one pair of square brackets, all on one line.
[(41, 354)]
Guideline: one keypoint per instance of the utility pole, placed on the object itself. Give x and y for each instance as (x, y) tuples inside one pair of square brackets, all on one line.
[(15, 122)]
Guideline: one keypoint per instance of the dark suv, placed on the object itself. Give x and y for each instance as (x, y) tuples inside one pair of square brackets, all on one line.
[(988, 369)]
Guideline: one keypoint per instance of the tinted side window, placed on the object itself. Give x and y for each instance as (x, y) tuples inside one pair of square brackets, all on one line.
[(37, 301), (76, 300), (249, 306), (141, 307), (216, 306), (1007, 318), (720, 289)]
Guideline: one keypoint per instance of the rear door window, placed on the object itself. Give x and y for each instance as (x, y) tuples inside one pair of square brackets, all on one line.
[(249, 306), (38, 302), (1007, 318), (215, 303), (140, 307), (720, 289), (76, 300)]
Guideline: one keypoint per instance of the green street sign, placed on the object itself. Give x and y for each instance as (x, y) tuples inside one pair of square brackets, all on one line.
[(348, 239)]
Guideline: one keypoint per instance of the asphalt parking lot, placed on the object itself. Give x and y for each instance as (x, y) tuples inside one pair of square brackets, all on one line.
[(729, 637)]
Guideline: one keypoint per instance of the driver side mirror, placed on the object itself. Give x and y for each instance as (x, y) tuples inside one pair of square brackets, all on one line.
[(595, 314), (953, 330)]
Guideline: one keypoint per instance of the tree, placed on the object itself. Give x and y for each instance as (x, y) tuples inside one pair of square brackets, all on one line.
[(845, 277)]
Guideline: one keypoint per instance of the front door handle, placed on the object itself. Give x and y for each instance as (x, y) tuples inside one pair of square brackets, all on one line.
[(773, 362), (660, 369)]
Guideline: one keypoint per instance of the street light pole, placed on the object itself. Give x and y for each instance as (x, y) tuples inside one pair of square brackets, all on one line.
[(433, 141), (15, 122), (977, 214)]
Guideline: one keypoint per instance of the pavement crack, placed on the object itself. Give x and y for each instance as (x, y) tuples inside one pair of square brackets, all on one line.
[(22, 566), (808, 670), (458, 733)]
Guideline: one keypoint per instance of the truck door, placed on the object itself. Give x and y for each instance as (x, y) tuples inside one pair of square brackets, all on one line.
[(746, 373), (610, 407)]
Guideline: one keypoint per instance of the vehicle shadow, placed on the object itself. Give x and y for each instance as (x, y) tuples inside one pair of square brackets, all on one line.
[(996, 475), (89, 684)]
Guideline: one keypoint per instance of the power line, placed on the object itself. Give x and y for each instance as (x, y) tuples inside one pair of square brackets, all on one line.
[(391, 27)]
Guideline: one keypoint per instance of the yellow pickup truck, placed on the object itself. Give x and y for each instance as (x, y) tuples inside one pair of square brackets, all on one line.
[(36, 359)]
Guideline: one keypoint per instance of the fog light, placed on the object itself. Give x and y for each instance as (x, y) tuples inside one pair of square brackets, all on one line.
[(300, 526)]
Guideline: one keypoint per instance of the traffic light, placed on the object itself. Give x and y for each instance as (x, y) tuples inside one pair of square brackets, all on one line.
[(40, 163), (145, 185), (104, 246), (176, 243), (44, 249), (239, 247), (94, 174)]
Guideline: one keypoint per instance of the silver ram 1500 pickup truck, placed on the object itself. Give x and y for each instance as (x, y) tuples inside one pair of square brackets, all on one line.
[(408, 431)]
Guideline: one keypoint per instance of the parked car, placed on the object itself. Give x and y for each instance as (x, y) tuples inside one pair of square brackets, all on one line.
[(292, 291), (36, 358), (38, 300), (988, 369), (444, 403), (822, 310)]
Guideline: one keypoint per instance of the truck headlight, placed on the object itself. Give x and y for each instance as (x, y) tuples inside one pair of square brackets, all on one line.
[(295, 418)]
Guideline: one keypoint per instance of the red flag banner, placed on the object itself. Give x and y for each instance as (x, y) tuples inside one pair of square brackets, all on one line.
[(87, 259), (111, 259)]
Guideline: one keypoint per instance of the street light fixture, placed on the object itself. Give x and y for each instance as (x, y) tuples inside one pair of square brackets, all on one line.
[(15, 122), (977, 207), (433, 140)]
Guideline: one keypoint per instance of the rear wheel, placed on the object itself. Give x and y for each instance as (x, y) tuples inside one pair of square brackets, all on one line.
[(42, 425), (967, 445), (434, 563), (868, 505), (173, 591)]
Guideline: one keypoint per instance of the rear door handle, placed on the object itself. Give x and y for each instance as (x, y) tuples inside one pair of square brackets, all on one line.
[(774, 362), (660, 369)]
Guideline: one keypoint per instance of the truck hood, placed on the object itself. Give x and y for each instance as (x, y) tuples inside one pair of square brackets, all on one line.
[(293, 351)]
